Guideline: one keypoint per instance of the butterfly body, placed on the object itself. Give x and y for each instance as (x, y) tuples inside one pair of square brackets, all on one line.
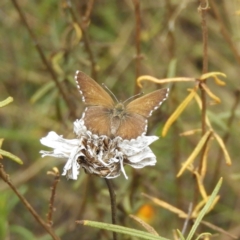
[(104, 117)]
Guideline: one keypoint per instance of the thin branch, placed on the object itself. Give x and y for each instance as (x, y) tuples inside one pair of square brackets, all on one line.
[(90, 53), (171, 17), (48, 228), (113, 204), (225, 32), (203, 12), (226, 35), (138, 57), (187, 220), (43, 57), (88, 12), (85, 38), (203, 8), (52, 198), (225, 138)]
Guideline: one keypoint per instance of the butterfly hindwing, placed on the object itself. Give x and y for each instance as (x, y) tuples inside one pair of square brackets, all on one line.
[(97, 120), (146, 104), (92, 93), (132, 126)]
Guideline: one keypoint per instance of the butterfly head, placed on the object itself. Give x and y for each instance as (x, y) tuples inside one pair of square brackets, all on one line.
[(119, 110)]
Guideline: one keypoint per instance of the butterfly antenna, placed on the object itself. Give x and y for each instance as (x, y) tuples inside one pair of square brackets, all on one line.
[(139, 94), (110, 92)]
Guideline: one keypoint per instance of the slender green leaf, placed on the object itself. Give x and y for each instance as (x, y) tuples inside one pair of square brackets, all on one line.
[(204, 210), (42, 91), (123, 230), (180, 235), (11, 156)]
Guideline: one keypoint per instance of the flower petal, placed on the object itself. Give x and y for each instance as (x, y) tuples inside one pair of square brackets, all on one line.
[(71, 168), (134, 146), (142, 159), (53, 140)]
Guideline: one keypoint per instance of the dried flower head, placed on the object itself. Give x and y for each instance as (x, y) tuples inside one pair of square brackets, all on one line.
[(99, 155)]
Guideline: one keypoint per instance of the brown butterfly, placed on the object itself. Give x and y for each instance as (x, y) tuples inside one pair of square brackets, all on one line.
[(105, 117)]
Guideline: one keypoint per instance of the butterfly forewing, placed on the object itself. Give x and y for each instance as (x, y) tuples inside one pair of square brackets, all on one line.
[(146, 104), (92, 92), (97, 120)]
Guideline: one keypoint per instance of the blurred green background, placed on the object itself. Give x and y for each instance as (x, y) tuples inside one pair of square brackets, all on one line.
[(171, 46)]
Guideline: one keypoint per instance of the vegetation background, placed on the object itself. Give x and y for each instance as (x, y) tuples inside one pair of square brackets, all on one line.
[(101, 41)]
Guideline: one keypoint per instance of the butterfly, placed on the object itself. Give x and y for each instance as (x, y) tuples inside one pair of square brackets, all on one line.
[(103, 116)]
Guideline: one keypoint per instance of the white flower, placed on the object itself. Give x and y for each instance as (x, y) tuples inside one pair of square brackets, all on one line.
[(99, 155)]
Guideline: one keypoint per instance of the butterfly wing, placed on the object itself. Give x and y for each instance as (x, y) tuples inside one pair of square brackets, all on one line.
[(146, 104), (132, 126), (97, 120), (92, 93)]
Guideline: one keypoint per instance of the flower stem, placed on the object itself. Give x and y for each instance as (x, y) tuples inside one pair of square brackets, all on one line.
[(113, 204)]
